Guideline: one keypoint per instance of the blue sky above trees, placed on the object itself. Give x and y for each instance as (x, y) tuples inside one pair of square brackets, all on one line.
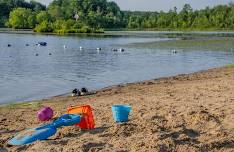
[(157, 5)]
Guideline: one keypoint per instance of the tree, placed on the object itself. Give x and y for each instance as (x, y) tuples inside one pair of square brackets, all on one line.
[(186, 17), (6, 6), (98, 14), (43, 16), (32, 20), (95, 13), (44, 27), (21, 18), (36, 6)]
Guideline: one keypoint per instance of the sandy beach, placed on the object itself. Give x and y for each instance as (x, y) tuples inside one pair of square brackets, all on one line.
[(192, 112)]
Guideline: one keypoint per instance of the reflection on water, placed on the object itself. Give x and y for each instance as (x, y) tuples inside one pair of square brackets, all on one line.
[(25, 76)]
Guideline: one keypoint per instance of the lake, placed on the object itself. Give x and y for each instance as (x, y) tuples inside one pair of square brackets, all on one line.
[(25, 76)]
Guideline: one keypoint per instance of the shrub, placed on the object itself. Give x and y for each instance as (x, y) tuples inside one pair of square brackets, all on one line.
[(85, 29), (44, 27)]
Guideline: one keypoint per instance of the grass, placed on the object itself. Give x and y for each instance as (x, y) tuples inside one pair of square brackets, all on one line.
[(230, 65), (24, 105), (190, 42)]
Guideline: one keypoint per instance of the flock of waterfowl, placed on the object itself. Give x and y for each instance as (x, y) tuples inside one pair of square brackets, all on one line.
[(81, 48), (98, 49)]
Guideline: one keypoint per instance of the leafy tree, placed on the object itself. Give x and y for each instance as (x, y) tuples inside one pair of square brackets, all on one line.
[(32, 20), (36, 6), (21, 18), (6, 6), (44, 27), (43, 16), (95, 15)]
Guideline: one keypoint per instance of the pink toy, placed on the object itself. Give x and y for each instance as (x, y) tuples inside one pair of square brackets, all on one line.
[(45, 114)]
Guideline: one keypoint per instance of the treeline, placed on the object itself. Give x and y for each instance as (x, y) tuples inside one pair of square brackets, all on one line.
[(219, 17), (66, 16), (86, 16)]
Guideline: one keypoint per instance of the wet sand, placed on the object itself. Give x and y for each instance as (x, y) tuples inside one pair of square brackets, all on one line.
[(193, 112)]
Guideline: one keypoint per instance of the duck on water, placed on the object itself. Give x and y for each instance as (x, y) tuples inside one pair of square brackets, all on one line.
[(118, 50), (41, 44)]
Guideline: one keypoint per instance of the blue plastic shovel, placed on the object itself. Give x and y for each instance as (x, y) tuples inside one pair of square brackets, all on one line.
[(45, 131)]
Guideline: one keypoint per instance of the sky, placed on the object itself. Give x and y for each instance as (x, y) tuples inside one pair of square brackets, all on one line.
[(158, 5)]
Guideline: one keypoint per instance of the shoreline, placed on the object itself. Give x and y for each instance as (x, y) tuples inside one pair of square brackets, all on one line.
[(67, 94), (28, 31), (187, 112)]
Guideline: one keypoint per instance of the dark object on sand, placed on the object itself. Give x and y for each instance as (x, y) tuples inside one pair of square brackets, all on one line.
[(8, 45), (36, 54), (42, 43), (115, 50), (26, 44), (84, 91), (50, 53), (76, 92)]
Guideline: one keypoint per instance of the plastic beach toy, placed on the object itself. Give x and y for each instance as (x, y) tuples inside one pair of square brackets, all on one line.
[(87, 120), (66, 120), (31, 135), (44, 131), (121, 112), (45, 114)]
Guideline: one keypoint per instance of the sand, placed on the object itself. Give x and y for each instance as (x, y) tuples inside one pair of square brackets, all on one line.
[(193, 112)]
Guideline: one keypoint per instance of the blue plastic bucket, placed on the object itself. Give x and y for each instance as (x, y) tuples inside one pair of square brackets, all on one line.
[(121, 112)]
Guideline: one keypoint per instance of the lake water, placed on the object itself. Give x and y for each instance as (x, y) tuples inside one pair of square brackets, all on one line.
[(25, 76)]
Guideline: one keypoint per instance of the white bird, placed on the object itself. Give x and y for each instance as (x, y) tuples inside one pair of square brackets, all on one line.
[(81, 48), (121, 50), (174, 51), (64, 46), (98, 49)]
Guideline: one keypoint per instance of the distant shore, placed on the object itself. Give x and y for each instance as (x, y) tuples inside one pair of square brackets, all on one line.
[(10, 30), (188, 112), (30, 31)]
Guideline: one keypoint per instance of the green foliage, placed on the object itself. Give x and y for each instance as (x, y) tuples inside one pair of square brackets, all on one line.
[(88, 16), (43, 16), (99, 30), (93, 16), (219, 17), (78, 25), (32, 20), (44, 27), (93, 13), (6, 6), (24, 105), (22, 18), (85, 29), (36, 6), (230, 65)]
